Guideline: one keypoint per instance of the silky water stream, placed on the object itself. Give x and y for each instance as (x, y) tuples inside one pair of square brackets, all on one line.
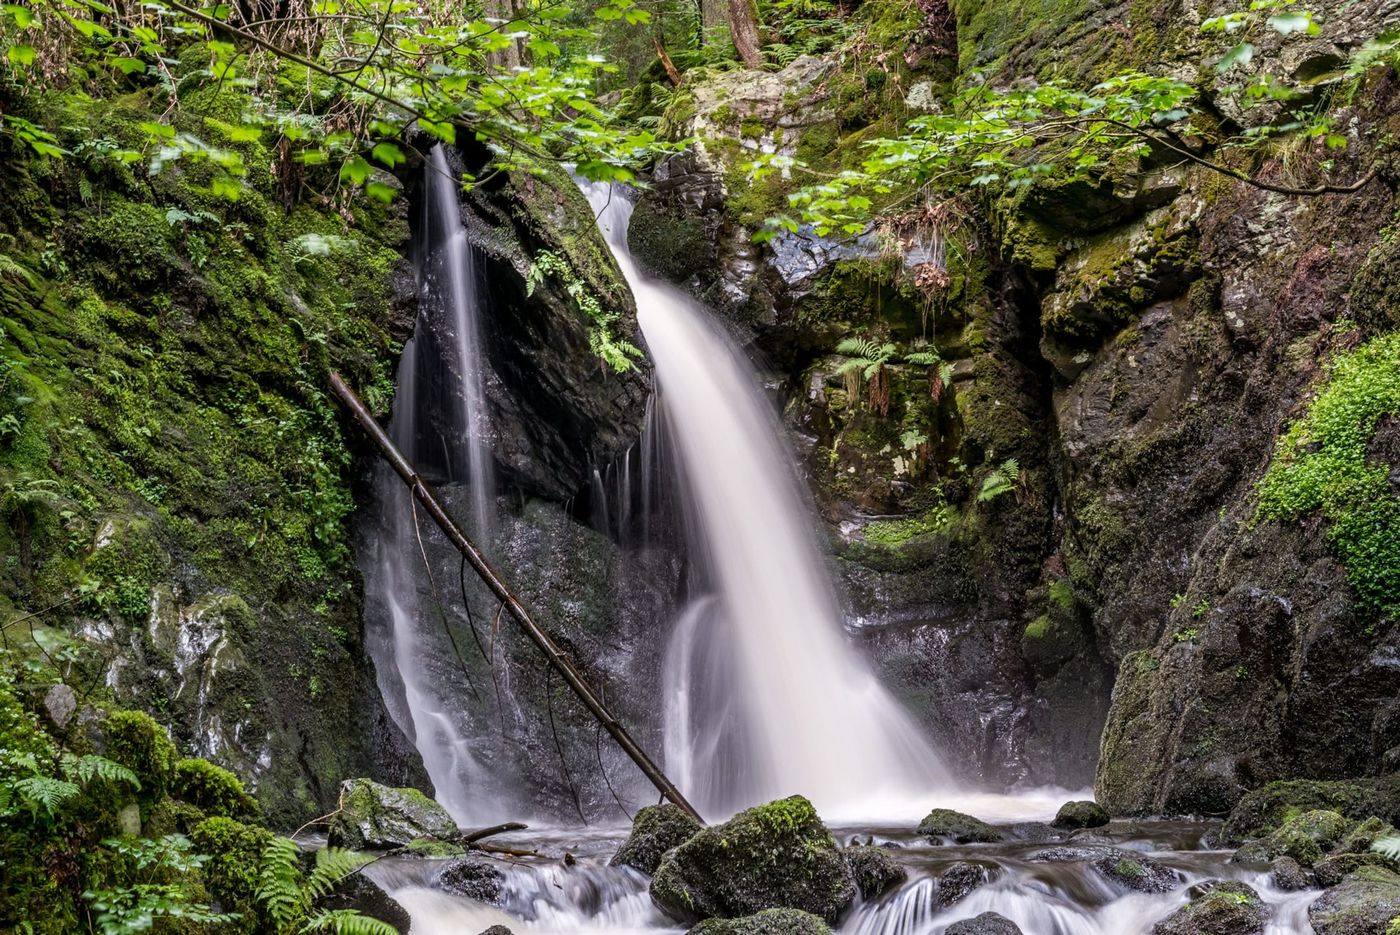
[(764, 697)]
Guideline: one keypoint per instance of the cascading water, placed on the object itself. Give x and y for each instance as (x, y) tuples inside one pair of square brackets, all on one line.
[(439, 422), (763, 684)]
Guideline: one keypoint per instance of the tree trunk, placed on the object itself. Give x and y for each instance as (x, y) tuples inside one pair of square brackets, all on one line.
[(743, 27)]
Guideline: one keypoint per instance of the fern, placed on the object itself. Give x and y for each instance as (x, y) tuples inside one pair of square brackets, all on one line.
[(347, 922), (867, 357), (1001, 480), (923, 358), (10, 269), (279, 882), (332, 866), (45, 792), (1389, 847), (89, 767)]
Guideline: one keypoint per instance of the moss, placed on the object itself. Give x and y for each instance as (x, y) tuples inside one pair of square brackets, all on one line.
[(231, 874), (171, 817), (1321, 466), (895, 532), (212, 788), (136, 741), (433, 849)]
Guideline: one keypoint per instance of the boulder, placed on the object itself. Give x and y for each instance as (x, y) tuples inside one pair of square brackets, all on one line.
[(1081, 814), (377, 817), (1359, 839), (1268, 807), (498, 930), (59, 704), (363, 895), (962, 878), (1363, 904), (874, 869), (1306, 838), (1032, 832), (1287, 874), (988, 923), (655, 830), (1225, 907), (1333, 870), (473, 878), (774, 856), (944, 824), (767, 922)]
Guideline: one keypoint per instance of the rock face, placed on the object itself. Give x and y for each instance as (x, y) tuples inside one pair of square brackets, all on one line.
[(655, 830), (944, 824), (767, 922), (1075, 815), (778, 855), (1225, 908), (375, 817), (988, 923)]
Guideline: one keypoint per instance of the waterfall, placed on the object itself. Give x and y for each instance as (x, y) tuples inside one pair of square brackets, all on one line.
[(774, 699), (439, 423)]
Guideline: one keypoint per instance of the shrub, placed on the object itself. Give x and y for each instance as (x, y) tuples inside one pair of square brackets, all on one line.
[(213, 788)]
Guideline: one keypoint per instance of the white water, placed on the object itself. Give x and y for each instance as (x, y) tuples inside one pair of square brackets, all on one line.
[(775, 700), (442, 360)]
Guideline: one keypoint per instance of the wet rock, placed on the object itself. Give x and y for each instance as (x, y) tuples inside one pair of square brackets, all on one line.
[(377, 817), (498, 930), (655, 830), (59, 705), (1333, 870), (1127, 868), (988, 923), (1082, 814), (1226, 907), (947, 825), (874, 869), (1359, 839), (129, 819), (767, 922), (1306, 838), (1268, 807), (1033, 832), (778, 855), (363, 895), (1364, 904), (1287, 874), (473, 878), (962, 878)]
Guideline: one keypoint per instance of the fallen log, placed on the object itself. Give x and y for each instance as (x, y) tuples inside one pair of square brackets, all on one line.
[(553, 654), (472, 837)]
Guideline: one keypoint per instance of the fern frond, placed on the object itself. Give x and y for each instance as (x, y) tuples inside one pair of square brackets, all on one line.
[(1390, 847), (858, 347), (1012, 469), (854, 365), (923, 358), (90, 767), (279, 881), (45, 792), (347, 922), (333, 864)]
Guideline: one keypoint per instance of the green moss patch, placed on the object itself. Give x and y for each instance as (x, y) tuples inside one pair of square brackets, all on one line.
[(1321, 466)]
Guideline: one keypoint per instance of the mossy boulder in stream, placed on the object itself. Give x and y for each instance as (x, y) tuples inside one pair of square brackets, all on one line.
[(1305, 838), (774, 856), (1082, 814), (767, 922), (1363, 904), (1270, 806), (655, 830), (944, 824), (1226, 907), (988, 923), (373, 816)]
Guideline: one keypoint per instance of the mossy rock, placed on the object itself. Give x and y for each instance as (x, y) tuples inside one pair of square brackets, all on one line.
[(1129, 869), (962, 878), (172, 817), (235, 853), (875, 870), (1305, 838), (774, 856), (376, 817), (655, 830), (212, 788), (1226, 907), (433, 849), (1333, 870), (1080, 814), (767, 922), (1261, 811), (136, 741), (944, 824), (1363, 904)]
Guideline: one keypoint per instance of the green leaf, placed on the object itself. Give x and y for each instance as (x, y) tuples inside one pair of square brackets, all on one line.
[(355, 170), (226, 186), (1241, 55), (1286, 24), (161, 131), (380, 192), (444, 131), (128, 66), (23, 17), (21, 55), (388, 153)]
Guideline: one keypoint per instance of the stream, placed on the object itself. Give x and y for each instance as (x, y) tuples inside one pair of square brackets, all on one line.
[(584, 894)]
